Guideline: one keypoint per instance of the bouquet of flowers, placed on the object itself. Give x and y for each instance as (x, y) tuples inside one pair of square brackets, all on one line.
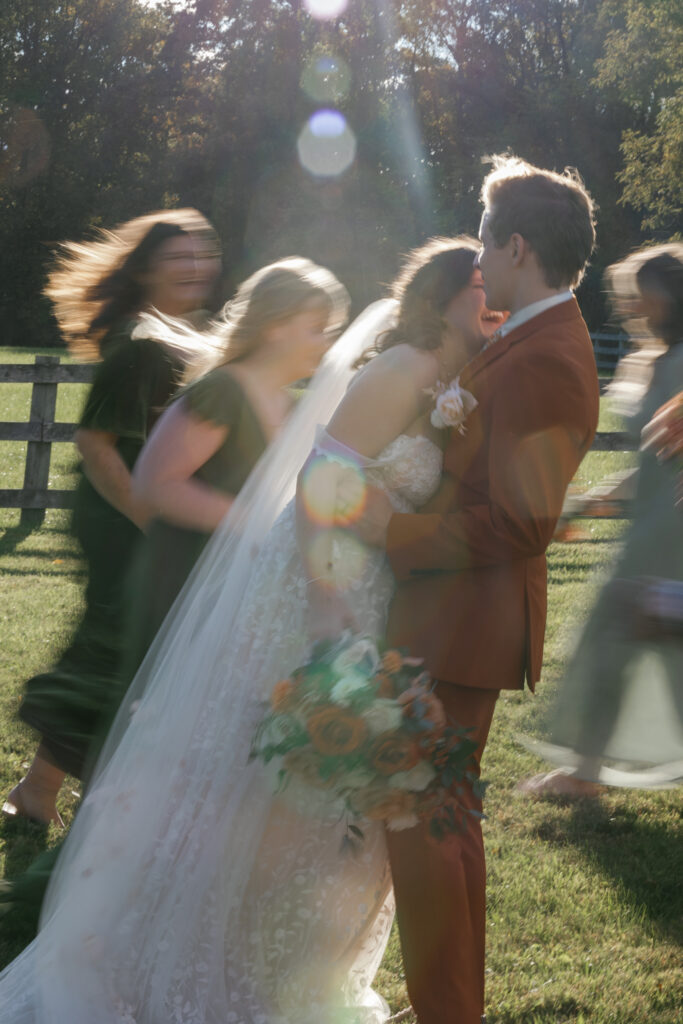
[(366, 728)]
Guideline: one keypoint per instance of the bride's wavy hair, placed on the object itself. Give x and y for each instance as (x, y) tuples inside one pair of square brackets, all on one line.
[(97, 284), (273, 295), (431, 276)]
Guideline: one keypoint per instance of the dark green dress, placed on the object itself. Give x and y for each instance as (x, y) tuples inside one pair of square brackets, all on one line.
[(132, 385), (165, 560)]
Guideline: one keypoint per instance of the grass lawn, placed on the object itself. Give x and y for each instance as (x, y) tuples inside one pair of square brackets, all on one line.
[(585, 900)]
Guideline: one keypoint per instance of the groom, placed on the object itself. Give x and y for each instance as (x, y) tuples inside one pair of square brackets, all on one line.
[(470, 566)]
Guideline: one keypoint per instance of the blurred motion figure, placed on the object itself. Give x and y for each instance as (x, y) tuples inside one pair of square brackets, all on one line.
[(168, 261), (622, 697)]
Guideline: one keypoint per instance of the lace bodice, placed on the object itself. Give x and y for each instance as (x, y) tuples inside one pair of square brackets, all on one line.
[(410, 469)]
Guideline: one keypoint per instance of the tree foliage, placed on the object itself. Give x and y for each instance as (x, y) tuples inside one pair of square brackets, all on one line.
[(109, 108)]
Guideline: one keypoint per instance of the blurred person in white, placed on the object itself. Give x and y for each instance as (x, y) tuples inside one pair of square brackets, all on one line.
[(619, 714)]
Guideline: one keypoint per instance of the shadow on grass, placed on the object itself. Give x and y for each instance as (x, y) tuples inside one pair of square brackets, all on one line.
[(23, 842), (45, 572), (643, 858), (560, 1010), (13, 536)]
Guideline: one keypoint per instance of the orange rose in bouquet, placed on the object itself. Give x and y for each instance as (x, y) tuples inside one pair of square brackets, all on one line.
[(393, 752), (282, 695), (335, 732)]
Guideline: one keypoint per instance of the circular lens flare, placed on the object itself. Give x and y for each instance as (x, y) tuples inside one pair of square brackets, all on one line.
[(337, 559), (325, 10), (332, 492), (326, 146), (326, 78)]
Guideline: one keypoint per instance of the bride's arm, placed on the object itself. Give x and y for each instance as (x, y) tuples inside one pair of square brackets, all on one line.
[(384, 401)]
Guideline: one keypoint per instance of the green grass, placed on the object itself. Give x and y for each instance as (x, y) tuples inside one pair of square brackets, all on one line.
[(584, 919)]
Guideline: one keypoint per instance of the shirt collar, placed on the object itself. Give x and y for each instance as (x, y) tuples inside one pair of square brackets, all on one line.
[(535, 309)]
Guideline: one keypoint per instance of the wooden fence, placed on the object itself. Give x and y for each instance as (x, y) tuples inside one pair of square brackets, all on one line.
[(41, 432), (609, 349)]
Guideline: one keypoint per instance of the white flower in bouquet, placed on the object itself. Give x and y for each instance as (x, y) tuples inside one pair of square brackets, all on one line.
[(403, 822), (279, 729), (356, 778), (384, 715), (415, 779), (360, 652), (343, 691), (452, 406)]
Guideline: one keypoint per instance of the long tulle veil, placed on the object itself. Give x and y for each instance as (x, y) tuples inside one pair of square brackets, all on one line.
[(151, 834)]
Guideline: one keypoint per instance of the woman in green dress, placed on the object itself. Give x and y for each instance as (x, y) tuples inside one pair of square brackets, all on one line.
[(168, 261), (274, 333), (621, 700)]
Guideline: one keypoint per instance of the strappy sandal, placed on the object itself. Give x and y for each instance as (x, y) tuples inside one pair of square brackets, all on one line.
[(14, 807)]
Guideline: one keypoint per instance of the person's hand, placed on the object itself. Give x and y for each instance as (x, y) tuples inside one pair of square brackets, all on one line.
[(369, 520)]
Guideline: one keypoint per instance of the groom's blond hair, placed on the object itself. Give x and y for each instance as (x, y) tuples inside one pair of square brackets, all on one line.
[(553, 212)]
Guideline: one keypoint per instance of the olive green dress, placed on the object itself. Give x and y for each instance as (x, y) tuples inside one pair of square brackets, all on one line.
[(132, 384), (165, 560)]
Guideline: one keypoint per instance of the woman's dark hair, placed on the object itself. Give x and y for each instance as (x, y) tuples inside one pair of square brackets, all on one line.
[(121, 293), (655, 268), (430, 277), (663, 272), (96, 283)]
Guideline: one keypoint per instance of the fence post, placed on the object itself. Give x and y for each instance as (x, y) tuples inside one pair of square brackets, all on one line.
[(37, 471)]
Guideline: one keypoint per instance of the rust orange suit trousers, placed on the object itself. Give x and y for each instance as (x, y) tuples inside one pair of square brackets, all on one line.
[(440, 892)]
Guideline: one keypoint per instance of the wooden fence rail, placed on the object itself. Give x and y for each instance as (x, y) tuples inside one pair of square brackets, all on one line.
[(41, 432)]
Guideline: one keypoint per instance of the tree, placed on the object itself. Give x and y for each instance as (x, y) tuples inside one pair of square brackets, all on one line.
[(642, 61)]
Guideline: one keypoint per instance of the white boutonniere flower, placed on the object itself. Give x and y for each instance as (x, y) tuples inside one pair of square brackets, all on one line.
[(452, 405)]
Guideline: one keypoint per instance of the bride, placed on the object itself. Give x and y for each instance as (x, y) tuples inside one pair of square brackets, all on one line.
[(186, 891)]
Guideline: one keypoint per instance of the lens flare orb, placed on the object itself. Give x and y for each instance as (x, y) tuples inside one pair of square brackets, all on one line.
[(326, 78), (325, 10), (326, 146), (333, 491), (337, 559)]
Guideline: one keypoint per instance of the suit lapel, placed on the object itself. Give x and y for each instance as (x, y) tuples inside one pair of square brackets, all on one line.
[(485, 358), (560, 313)]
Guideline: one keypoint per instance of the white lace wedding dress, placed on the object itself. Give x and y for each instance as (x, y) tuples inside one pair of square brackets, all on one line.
[(192, 895)]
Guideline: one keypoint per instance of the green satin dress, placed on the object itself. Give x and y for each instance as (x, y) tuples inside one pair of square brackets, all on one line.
[(132, 385), (169, 553)]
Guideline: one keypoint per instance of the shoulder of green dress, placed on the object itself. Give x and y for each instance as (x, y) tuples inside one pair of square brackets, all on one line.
[(216, 396)]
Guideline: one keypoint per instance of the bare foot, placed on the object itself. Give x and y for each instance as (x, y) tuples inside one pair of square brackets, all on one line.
[(27, 802), (560, 782)]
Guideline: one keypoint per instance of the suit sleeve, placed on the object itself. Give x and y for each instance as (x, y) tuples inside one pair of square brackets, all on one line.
[(540, 429)]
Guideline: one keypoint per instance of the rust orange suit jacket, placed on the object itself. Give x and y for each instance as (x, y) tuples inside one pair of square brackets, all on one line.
[(470, 566)]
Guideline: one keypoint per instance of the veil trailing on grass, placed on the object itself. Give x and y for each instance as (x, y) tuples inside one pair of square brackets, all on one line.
[(144, 876)]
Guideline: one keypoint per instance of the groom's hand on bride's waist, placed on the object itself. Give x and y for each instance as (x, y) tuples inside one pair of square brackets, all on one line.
[(368, 519)]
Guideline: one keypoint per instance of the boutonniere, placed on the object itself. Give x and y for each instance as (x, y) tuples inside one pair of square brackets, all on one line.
[(452, 405)]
